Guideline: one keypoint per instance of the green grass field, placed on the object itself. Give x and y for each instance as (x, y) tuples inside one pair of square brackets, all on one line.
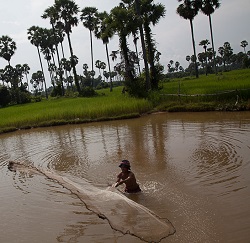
[(115, 105), (109, 105), (207, 92), (237, 79)]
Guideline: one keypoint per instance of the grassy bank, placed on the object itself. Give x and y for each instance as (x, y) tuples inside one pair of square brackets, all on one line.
[(108, 105), (225, 91)]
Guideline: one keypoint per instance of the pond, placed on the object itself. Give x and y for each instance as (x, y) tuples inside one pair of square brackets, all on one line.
[(193, 169)]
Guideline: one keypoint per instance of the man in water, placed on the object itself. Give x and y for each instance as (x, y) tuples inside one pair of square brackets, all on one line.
[(127, 177)]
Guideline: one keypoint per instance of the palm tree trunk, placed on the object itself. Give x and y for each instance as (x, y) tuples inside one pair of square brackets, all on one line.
[(73, 65), (45, 87), (212, 40), (51, 75), (58, 60), (91, 50), (107, 53), (148, 86), (196, 66), (62, 49), (136, 50), (150, 51), (27, 81), (66, 72), (92, 57), (128, 73), (206, 59)]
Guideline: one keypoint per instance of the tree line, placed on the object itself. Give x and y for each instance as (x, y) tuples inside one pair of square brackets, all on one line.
[(225, 60), (131, 18)]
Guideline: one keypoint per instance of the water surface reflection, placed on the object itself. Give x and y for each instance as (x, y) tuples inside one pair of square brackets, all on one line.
[(193, 169)]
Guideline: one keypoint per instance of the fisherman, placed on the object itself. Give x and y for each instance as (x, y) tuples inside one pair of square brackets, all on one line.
[(127, 177)]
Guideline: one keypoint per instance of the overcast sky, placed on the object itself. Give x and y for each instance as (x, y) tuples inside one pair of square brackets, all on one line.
[(172, 34)]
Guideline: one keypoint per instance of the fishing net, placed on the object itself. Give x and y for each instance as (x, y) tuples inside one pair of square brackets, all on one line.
[(123, 214)]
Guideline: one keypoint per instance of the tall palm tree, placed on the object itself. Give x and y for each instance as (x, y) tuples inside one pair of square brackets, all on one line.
[(67, 18), (89, 20), (151, 14), (208, 7), (135, 7), (244, 44), (35, 36), (226, 53), (114, 55), (135, 39), (52, 14), (26, 70), (204, 44), (98, 65), (120, 22), (188, 10), (144, 52), (7, 47), (104, 33)]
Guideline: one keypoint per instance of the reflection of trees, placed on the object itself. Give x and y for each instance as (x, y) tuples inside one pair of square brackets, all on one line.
[(103, 140), (145, 142), (72, 150)]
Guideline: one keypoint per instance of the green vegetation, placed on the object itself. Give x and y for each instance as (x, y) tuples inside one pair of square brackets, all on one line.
[(227, 91), (108, 105), (237, 79)]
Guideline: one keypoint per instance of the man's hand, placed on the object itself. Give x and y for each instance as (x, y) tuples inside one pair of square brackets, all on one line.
[(118, 183)]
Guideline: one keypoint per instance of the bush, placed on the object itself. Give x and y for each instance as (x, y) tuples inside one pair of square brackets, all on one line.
[(87, 92), (57, 91), (136, 88), (24, 97), (5, 97)]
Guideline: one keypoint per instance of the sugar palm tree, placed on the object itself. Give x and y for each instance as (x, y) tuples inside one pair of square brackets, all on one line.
[(104, 33), (204, 44), (98, 65), (7, 47), (89, 20), (26, 70), (35, 36), (135, 40), (143, 44), (67, 18), (120, 21), (114, 55), (151, 14), (188, 10), (244, 44), (226, 52), (139, 19), (52, 14), (208, 7)]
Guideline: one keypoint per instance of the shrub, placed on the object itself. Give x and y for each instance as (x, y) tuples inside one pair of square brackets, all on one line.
[(87, 92), (136, 88), (5, 97)]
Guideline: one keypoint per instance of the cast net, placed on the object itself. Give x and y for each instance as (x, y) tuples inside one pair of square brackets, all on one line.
[(123, 214)]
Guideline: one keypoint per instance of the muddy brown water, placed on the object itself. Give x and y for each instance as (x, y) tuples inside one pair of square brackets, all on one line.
[(193, 169)]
